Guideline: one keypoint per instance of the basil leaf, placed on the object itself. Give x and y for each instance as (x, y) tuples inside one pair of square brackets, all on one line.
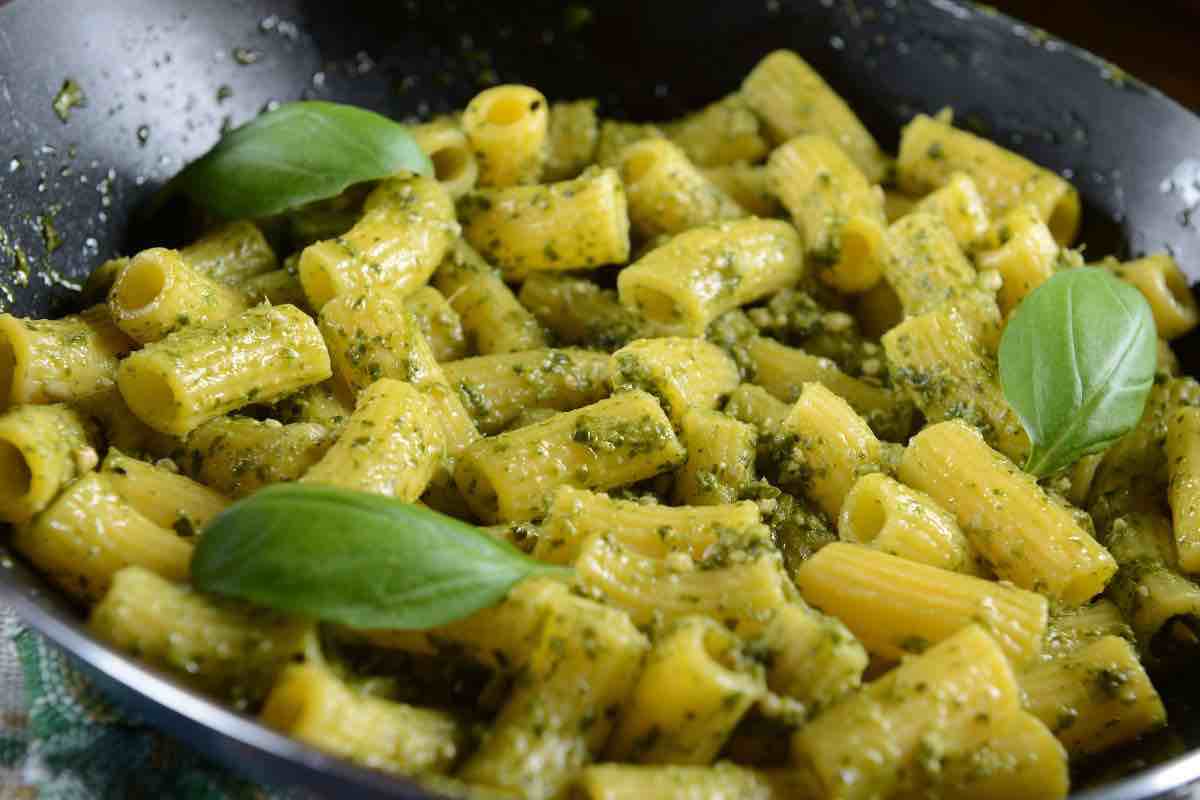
[(295, 154), (358, 559), (1077, 361)]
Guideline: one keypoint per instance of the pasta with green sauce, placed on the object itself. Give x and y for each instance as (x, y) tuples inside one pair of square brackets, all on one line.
[(682, 359)]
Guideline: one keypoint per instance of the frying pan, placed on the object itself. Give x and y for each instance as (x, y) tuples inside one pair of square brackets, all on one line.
[(162, 77)]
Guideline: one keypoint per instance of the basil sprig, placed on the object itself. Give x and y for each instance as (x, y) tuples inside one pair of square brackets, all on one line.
[(295, 154), (358, 559), (1077, 361)]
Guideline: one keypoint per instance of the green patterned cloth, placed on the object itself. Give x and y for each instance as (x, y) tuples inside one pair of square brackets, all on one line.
[(60, 739)]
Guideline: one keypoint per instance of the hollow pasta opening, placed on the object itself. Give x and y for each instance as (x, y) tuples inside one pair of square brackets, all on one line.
[(718, 646), (450, 163), (1064, 218), (16, 477), (1176, 286), (287, 704), (506, 110), (152, 392), (866, 516), (140, 284), (656, 306)]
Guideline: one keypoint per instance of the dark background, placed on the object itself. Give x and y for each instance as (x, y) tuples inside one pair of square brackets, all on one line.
[(1155, 40)]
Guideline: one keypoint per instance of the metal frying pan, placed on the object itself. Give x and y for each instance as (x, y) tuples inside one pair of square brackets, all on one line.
[(161, 77)]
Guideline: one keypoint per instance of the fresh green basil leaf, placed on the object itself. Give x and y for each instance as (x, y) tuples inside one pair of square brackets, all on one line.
[(1077, 360), (295, 154), (357, 559)]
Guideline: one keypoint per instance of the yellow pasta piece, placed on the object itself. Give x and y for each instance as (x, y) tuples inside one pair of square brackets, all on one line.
[(1071, 628), (1022, 534), (1162, 606), (696, 685), (278, 287), (792, 99), (1020, 759), (623, 439), (747, 185), (883, 513), (702, 273), (932, 151), (439, 322), (577, 224), (507, 127), (492, 318), (454, 164), (723, 132), (42, 449), (813, 658), (159, 292), (743, 593), (1023, 252), (960, 206), (572, 135), (683, 373), (720, 458), (578, 312), (575, 515), (90, 533), (667, 193), (495, 389), (616, 135), (231, 253), (1183, 469), (406, 228), (392, 444), (756, 406), (318, 403), (585, 662), (311, 704), (833, 446), (960, 692), (836, 208), (783, 371), (57, 360), (1165, 286), (936, 359), (239, 455), (200, 372), (124, 431), (1095, 697), (925, 266), (224, 648), (166, 498), (896, 606)]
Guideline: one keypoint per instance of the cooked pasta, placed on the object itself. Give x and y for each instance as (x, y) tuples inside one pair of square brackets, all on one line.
[(730, 384)]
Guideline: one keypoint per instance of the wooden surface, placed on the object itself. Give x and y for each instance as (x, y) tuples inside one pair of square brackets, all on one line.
[(1157, 41)]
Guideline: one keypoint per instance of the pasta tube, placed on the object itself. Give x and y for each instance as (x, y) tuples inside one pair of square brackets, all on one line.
[(601, 446), (507, 127), (392, 444), (792, 99), (492, 318), (1022, 534), (1183, 491), (932, 151), (813, 658), (200, 372), (1159, 278), (311, 704), (59, 360), (90, 533), (231, 253), (883, 513), (575, 515), (674, 782), (220, 647), (1024, 253), (702, 273), (723, 132), (42, 450), (573, 132), (720, 458), (439, 323), (240, 455), (406, 228), (836, 208), (577, 224), (960, 206), (683, 373), (747, 185), (495, 389), (667, 193), (158, 292), (696, 685), (925, 266), (896, 606), (454, 164), (166, 498)]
